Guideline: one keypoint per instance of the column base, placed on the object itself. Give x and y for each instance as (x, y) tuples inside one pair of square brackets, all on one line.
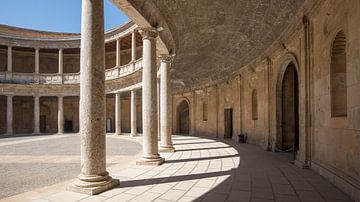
[(134, 135), (150, 161), (167, 149), (93, 184)]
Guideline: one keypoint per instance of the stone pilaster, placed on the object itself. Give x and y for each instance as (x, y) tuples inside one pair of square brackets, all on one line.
[(36, 115), (150, 129), (165, 108), (93, 178), (118, 113), (9, 115), (133, 120), (60, 114)]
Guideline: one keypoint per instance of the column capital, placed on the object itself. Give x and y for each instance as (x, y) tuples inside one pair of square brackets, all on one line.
[(37, 48), (166, 58), (148, 32)]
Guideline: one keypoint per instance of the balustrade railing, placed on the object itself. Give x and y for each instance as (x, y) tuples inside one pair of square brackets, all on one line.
[(66, 78)]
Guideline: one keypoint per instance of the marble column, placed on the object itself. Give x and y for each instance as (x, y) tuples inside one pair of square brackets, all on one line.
[(61, 61), (61, 65), (165, 108), (36, 115), (9, 115), (158, 106), (93, 178), (118, 113), (9, 59), (133, 45), (9, 63), (60, 114), (118, 52), (133, 49), (37, 60), (133, 121), (149, 76)]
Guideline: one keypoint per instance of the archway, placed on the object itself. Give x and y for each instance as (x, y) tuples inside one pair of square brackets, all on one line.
[(288, 140), (183, 117)]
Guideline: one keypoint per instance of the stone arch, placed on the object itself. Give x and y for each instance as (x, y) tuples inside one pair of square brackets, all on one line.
[(287, 106), (183, 117), (338, 84)]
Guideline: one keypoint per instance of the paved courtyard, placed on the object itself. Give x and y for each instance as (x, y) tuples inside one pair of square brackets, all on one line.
[(201, 170), (31, 162)]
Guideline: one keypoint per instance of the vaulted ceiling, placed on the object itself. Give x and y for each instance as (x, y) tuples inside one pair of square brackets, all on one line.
[(213, 38)]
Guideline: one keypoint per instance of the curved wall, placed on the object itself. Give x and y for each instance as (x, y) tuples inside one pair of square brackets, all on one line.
[(330, 145)]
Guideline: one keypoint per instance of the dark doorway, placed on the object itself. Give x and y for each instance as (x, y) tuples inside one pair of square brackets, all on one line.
[(290, 110), (183, 117), (42, 123), (228, 123), (68, 127)]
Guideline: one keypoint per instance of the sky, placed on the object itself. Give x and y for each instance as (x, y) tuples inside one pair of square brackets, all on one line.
[(53, 15)]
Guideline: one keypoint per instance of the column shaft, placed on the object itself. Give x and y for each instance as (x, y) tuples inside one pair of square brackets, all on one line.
[(149, 99), (118, 52), (60, 114), (93, 178), (133, 114), (133, 46), (37, 61), (9, 115), (36, 115), (9, 59), (61, 61), (165, 108), (118, 113)]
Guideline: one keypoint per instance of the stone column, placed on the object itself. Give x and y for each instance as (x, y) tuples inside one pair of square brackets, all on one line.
[(61, 65), (133, 46), (9, 59), (150, 129), (9, 115), (165, 108), (133, 49), (60, 114), (36, 115), (133, 114), (118, 52), (37, 61), (61, 61), (93, 178), (118, 113), (158, 106)]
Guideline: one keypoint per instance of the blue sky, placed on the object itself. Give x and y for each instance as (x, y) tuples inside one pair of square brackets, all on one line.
[(53, 15)]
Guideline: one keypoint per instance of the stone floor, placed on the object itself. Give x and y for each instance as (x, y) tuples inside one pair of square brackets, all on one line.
[(205, 170), (30, 162)]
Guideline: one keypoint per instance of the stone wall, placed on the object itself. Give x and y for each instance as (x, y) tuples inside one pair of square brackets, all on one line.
[(329, 145)]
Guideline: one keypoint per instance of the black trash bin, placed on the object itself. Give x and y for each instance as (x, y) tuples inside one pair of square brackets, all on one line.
[(242, 138)]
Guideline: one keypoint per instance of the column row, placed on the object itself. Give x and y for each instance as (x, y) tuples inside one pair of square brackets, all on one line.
[(60, 114), (61, 55), (9, 115)]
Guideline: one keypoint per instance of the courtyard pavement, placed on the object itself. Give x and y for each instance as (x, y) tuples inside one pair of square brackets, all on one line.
[(201, 169)]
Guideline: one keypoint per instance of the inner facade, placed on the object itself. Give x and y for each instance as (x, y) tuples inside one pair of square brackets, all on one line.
[(294, 90)]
